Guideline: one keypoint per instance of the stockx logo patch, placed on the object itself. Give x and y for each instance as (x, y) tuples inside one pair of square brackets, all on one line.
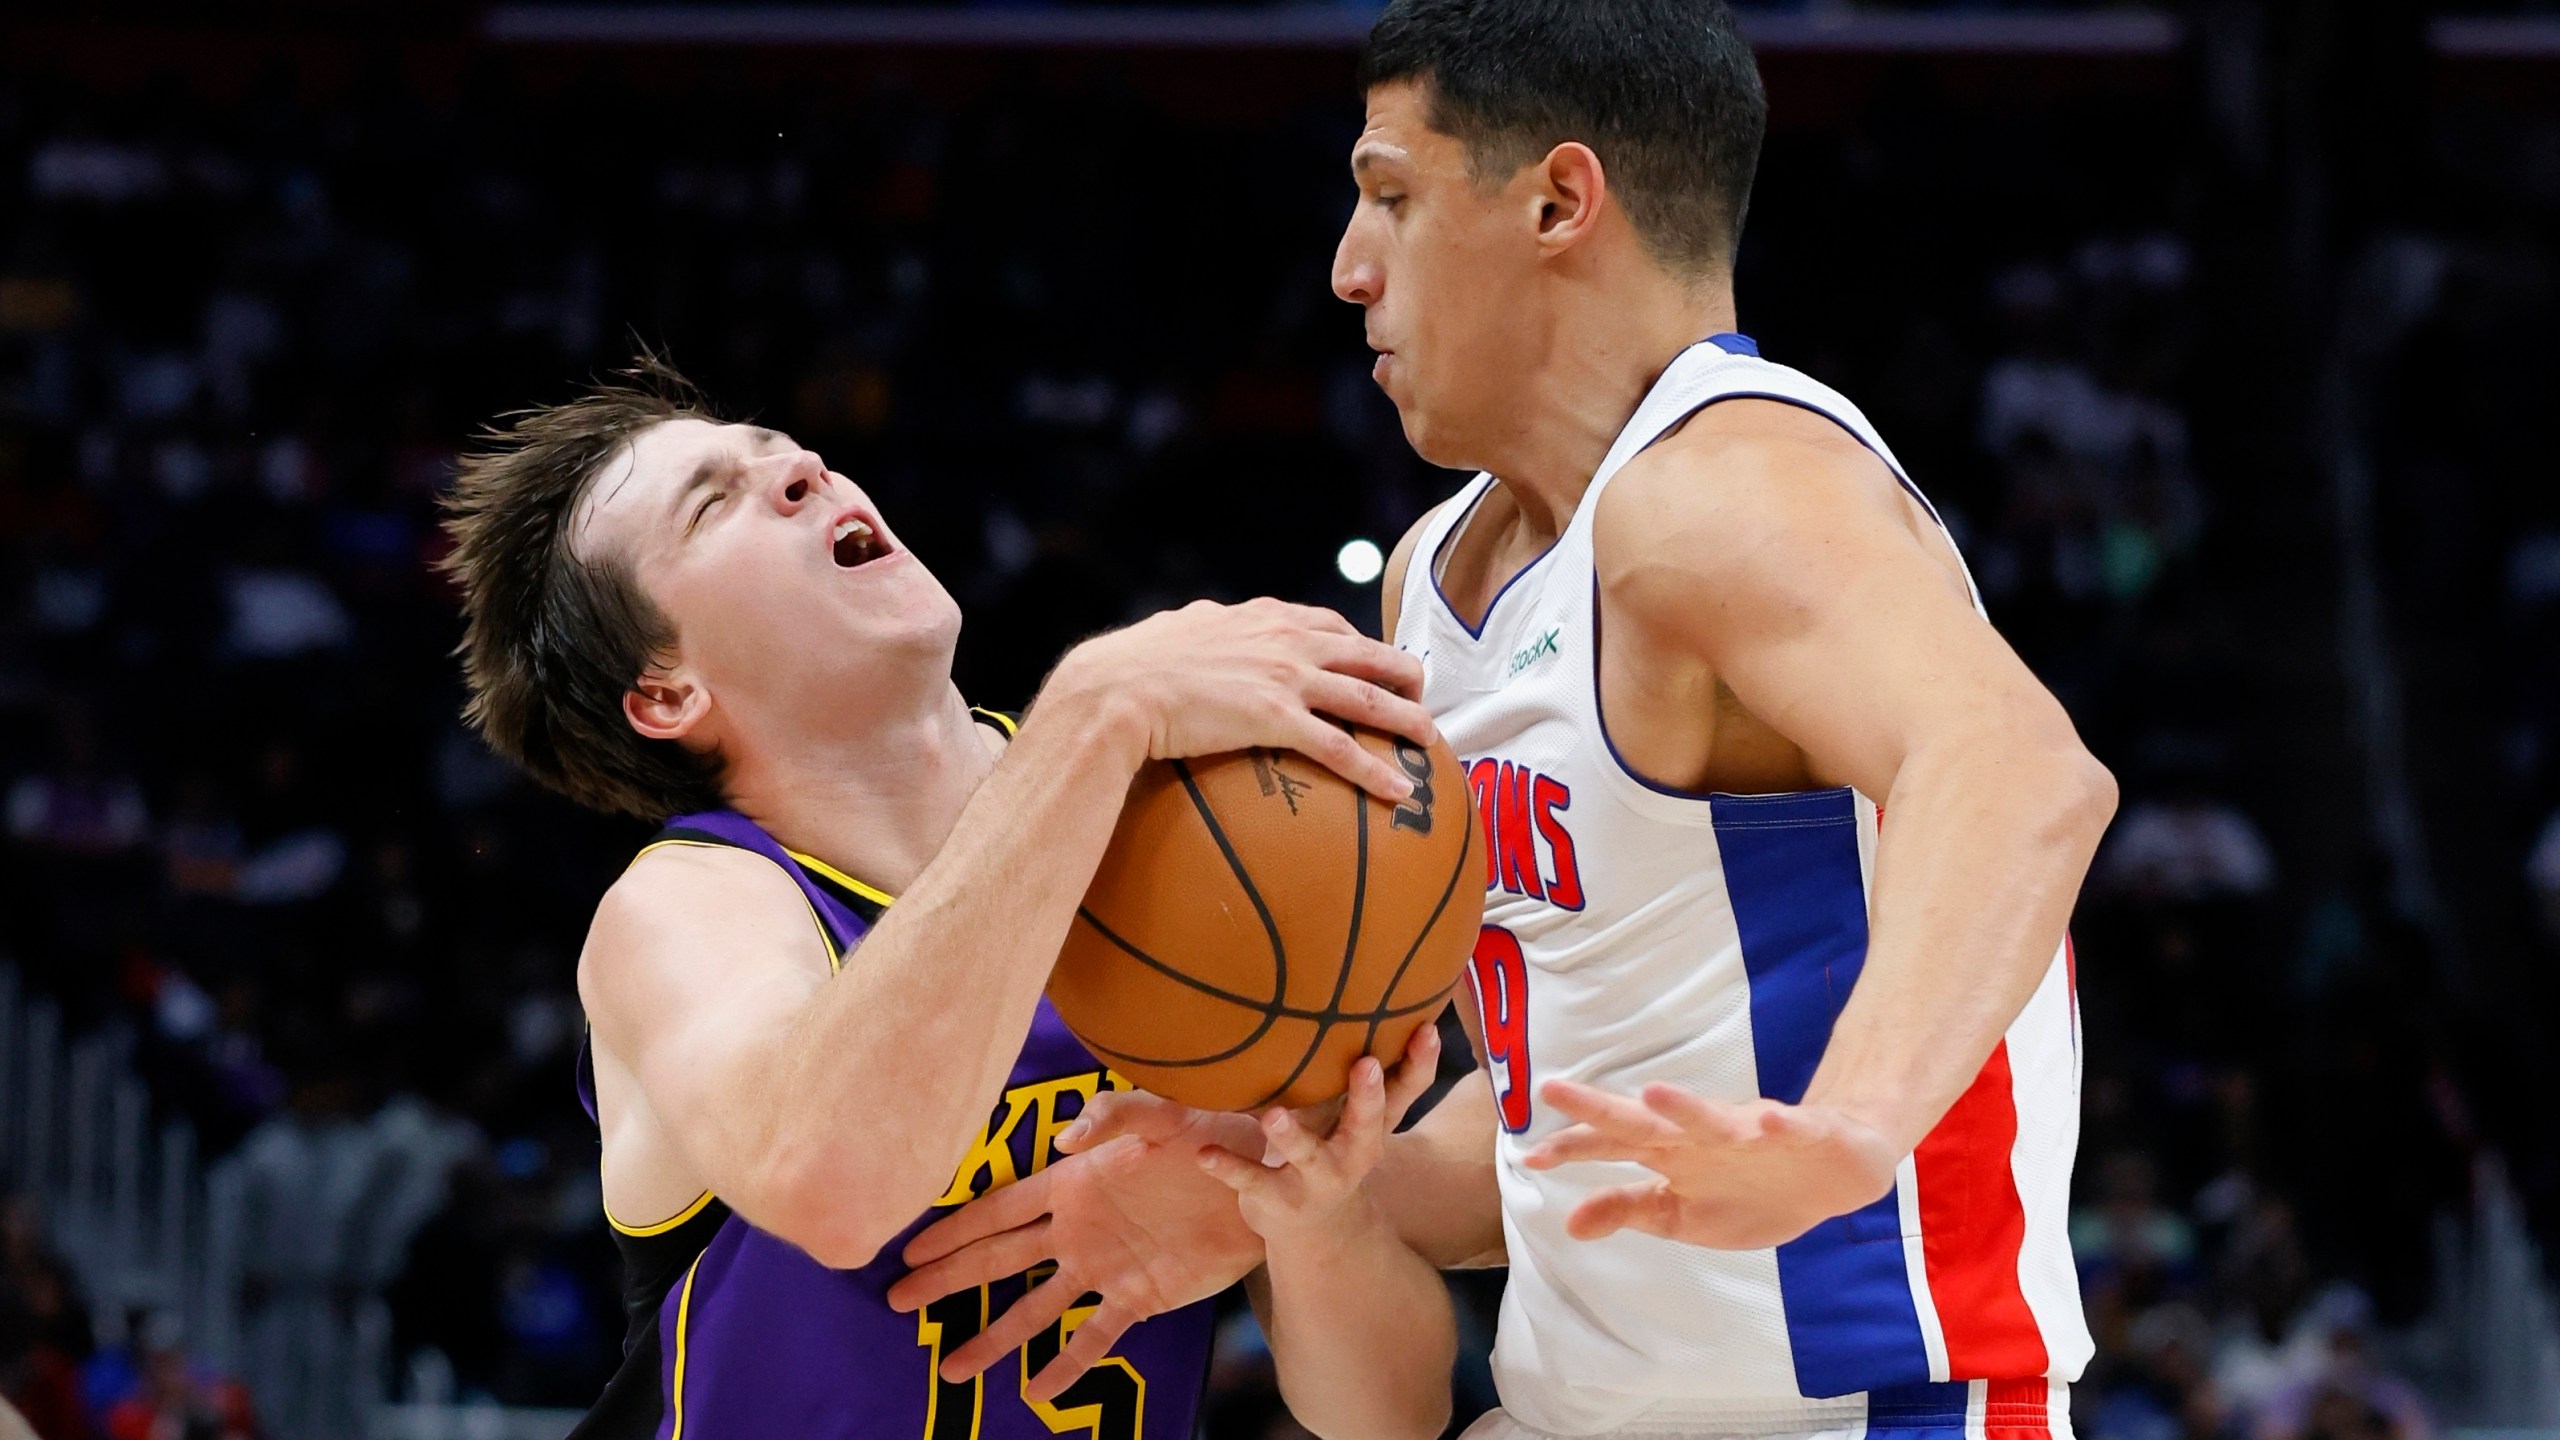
[(1535, 651)]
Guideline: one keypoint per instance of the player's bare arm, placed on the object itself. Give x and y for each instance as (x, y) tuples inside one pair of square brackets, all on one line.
[(754, 1075), (1435, 1183), (1361, 1328), (1760, 570)]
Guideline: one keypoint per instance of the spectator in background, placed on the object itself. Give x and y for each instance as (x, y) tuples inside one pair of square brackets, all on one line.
[(44, 1327), (2184, 846), (159, 1394), (78, 805), (2342, 1390)]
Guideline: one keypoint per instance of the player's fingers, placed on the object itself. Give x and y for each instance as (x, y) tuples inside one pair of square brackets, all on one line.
[(994, 1258), (1649, 1207), (1332, 747), (1415, 1072), (1115, 1113), (1013, 1329), (1577, 1143), (1288, 1141), (1357, 1140), (992, 1213), (1733, 1124), (1613, 1114), (1084, 1349), (1363, 703), (1367, 659), (1312, 617), (1232, 1170)]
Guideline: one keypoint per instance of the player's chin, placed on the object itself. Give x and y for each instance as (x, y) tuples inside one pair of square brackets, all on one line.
[(1428, 435)]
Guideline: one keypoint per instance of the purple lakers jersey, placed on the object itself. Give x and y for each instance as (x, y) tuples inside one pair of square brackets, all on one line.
[(736, 1335)]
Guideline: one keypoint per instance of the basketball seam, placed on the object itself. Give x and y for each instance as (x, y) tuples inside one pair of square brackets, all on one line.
[(1271, 1012), (1269, 1015), (1466, 847), (1244, 877), (1277, 1008), (1319, 1017), (1350, 943), (1276, 1012)]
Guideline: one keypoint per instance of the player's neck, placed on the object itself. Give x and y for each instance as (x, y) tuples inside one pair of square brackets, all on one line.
[(876, 805), (1609, 350)]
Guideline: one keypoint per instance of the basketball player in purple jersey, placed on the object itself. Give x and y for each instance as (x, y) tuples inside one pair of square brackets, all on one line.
[(701, 625), (1778, 1133)]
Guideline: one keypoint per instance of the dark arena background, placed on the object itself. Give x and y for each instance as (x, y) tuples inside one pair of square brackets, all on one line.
[(2219, 330)]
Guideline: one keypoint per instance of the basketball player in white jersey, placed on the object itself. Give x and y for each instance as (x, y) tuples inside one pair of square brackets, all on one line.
[(1773, 995)]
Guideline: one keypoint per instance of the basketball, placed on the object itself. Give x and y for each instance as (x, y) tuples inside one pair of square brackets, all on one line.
[(1259, 923)]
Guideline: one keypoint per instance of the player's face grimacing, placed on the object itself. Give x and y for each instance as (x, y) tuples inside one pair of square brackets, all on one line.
[(1447, 270), (784, 585)]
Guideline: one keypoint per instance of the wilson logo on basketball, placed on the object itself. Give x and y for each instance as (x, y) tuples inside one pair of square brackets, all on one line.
[(1415, 813)]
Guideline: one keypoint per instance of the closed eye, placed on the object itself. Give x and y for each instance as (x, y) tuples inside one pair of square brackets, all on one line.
[(714, 498)]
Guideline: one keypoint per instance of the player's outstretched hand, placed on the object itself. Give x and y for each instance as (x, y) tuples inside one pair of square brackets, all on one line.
[(1209, 678), (1732, 1176), (1305, 1187), (1127, 1214)]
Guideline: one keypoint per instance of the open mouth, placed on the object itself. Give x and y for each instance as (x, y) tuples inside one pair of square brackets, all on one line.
[(856, 544)]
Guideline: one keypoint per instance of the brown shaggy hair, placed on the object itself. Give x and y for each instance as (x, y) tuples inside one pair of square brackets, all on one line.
[(554, 640)]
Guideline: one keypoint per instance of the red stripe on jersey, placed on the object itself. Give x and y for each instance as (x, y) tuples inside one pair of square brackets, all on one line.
[(2018, 1408), (1972, 1226)]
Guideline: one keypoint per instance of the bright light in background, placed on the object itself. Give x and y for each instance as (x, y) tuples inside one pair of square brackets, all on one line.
[(1360, 562)]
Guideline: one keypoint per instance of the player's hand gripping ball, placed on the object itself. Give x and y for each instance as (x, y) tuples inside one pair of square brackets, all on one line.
[(1258, 924)]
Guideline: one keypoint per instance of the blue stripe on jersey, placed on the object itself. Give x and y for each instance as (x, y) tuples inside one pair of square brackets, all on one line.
[(1800, 907), (1735, 343), (1914, 1410)]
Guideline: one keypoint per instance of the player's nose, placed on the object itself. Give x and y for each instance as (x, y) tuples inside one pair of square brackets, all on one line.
[(1356, 277), (796, 478)]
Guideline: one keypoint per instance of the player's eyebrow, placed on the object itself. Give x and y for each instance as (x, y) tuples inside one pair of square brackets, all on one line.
[(1370, 154), (711, 468)]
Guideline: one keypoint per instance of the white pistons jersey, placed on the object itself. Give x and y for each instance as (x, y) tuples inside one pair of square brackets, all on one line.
[(1634, 934)]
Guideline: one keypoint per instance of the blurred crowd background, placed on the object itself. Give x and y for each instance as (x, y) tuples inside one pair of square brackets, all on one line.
[(2221, 357)]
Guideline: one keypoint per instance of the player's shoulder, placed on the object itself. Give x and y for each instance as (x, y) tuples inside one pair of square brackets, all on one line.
[(1750, 436), (675, 896), (1736, 466)]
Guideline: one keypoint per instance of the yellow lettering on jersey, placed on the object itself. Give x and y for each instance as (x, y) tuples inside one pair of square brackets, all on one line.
[(1107, 1402), (989, 1165)]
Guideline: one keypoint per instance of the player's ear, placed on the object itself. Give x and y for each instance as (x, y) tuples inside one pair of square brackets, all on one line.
[(1571, 190), (666, 704)]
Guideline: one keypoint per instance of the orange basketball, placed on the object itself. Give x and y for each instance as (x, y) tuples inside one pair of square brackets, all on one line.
[(1259, 923)]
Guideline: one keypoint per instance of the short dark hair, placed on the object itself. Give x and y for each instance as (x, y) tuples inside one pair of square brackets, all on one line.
[(553, 640), (1665, 92)]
